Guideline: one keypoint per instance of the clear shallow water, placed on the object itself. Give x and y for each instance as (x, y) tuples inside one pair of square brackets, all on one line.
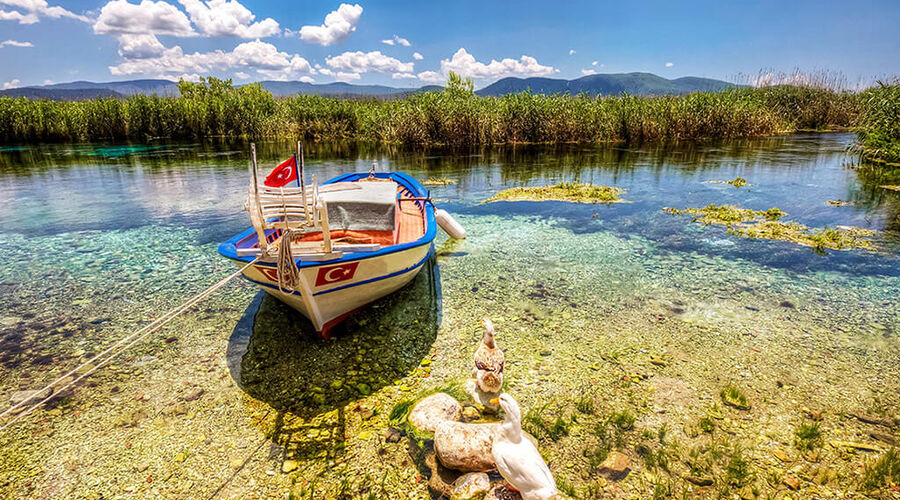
[(106, 234), (99, 239)]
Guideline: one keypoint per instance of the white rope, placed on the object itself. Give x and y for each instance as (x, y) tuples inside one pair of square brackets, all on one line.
[(134, 338), (288, 274)]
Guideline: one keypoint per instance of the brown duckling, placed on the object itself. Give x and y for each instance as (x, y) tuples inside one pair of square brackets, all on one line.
[(488, 361)]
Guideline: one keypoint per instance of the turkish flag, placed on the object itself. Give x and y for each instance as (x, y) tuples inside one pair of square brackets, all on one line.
[(335, 274), (283, 174)]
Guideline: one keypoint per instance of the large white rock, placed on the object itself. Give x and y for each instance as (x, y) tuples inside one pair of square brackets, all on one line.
[(434, 409), (465, 447)]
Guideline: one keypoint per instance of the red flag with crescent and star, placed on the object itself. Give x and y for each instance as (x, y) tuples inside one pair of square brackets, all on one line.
[(283, 174)]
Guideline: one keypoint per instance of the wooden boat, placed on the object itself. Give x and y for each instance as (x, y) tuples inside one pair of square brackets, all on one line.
[(354, 239)]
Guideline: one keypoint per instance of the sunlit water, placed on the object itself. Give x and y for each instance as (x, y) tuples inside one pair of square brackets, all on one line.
[(99, 239)]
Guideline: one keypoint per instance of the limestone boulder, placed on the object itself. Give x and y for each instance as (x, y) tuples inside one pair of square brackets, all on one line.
[(432, 410)]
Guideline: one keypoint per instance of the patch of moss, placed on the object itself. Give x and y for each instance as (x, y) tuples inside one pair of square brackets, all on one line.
[(738, 182), (564, 191), (748, 223), (808, 436), (734, 397), (438, 181)]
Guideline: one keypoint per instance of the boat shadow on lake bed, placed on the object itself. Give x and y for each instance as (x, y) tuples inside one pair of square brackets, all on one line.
[(275, 356)]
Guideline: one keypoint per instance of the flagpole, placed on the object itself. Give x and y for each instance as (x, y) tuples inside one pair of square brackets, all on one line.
[(300, 180)]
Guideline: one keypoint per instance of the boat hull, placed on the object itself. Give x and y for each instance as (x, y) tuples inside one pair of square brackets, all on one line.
[(332, 298)]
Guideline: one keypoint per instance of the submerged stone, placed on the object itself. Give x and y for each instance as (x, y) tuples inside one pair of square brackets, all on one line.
[(465, 447), (434, 409), (471, 486)]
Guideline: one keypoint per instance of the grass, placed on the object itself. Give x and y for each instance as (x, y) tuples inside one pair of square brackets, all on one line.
[(808, 437), (884, 471), (734, 397), (456, 116), (768, 225), (564, 191)]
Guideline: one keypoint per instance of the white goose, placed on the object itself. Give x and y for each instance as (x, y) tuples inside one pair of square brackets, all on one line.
[(518, 460)]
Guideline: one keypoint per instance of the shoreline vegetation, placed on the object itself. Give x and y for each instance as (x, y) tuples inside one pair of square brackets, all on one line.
[(456, 116)]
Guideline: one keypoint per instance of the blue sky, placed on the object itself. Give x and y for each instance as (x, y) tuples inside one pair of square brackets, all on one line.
[(324, 41)]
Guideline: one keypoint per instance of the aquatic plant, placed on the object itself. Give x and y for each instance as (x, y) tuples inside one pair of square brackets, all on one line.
[(564, 191), (707, 424), (807, 437), (738, 472), (585, 403), (565, 486), (884, 471), (748, 223), (623, 420), (738, 182), (734, 397), (537, 425)]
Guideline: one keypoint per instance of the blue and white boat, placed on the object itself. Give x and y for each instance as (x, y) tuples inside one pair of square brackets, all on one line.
[(354, 239)]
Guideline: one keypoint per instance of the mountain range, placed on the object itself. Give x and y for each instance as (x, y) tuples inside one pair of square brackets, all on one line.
[(599, 84)]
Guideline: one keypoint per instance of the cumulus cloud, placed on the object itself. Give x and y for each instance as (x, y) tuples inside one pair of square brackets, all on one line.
[(14, 83), (399, 76), (593, 63), (571, 52), (464, 64), (396, 41), (669, 64), (14, 43), (119, 17), (140, 46), (363, 62), (34, 10), (262, 57), (417, 56), (228, 18), (586, 72), (307, 79), (337, 27)]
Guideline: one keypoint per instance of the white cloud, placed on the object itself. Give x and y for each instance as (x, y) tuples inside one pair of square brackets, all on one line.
[(586, 72), (593, 63), (228, 18), (398, 76), (571, 52), (337, 27), (262, 57), (464, 64), (307, 79), (432, 76), (340, 75), (669, 65), (417, 56), (242, 75), (396, 40), (11, 84), (34, 10), (362, 62), (119, 17), (140, 46), (14, 43), (11, 15), (48, 82)]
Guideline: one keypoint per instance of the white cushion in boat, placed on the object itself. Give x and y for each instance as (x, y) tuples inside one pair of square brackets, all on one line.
[(370, 208)]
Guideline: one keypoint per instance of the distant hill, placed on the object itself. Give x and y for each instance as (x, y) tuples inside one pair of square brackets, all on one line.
[(601, 84), (605, 84)]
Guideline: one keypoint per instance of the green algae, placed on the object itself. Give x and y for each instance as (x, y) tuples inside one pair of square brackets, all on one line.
[(564, 191), (734, 397), (737, 182), (756, 224), (438, 181), (838, 203), (890, 187)]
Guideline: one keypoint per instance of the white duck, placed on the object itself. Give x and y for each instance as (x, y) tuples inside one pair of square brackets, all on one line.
[(518, 460)]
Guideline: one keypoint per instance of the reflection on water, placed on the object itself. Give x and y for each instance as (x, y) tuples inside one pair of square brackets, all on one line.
[(275, 355)]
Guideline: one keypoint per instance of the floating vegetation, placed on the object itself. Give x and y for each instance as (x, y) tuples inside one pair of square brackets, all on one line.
[(838, 203), (808, 436), (564, 191), (748, 223), (891, 187), (738, 182), (438, 181), (734, 397)]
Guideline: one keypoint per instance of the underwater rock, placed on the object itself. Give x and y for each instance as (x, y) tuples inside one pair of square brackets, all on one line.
[(434, 409), (502, 492), (20, 396), (289, 466), (616, 466), (442, 479), (471, 486), (465, 447), (392, 436), (792, 483)]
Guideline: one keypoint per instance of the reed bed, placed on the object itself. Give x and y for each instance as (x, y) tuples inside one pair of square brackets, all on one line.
[(454, 116), (879, 136)]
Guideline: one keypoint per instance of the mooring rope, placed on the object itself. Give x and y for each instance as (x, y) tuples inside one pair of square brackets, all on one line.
[(288, 274), (132, 339)]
